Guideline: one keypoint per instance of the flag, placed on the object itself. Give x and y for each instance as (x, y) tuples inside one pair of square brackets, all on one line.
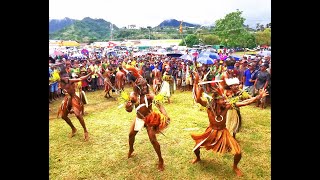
[(180, 28)]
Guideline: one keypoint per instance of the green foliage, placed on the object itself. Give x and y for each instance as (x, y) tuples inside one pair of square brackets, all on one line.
[(232, 31), (229, 31), (263, 37), (210, 39), (127, 33), (248, 40), (181, 43), (84, 30), (191, 40)]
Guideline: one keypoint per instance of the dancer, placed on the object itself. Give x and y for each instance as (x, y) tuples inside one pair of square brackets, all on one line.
[(234, 94), (216, 137), (71, 102), (142, 100)]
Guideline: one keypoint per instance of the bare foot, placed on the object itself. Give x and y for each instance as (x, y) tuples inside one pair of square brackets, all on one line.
[(130, 153), (160, 166), (86, 136), (237, 171), (196, 160), (73, 133)]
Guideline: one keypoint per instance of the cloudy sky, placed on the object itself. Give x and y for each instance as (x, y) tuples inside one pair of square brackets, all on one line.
[(144, 13)]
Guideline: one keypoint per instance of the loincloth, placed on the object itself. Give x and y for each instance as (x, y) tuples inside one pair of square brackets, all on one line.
[(139, 124), (219, 141), (69, 104)]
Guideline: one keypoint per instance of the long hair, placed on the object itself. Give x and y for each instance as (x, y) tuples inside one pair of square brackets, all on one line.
[(134, 72)]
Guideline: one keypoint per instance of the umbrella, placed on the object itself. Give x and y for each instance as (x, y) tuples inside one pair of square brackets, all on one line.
[(195, 54), (186, 57), (85, 52), (210, 54), (174, 54), (223, 57), (211, 50), (161, 51), (206, 60), (58, 53), (237, 58), (192, 51), (112, 53)]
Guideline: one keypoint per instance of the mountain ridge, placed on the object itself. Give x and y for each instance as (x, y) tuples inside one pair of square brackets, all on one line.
[(59, 24)]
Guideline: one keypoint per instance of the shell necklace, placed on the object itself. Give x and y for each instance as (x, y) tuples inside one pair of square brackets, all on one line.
[(216, 118)]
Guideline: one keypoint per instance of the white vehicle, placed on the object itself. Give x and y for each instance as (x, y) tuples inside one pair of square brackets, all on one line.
[(252, 56)]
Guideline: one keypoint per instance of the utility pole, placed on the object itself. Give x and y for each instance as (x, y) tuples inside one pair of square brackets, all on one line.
[(181, 31), (149, 28)]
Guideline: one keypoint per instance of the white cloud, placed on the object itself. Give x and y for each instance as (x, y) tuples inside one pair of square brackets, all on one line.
[(144, 13)]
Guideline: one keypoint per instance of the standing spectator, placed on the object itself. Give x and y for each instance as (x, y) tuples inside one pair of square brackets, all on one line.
[(263, 78), (167, 84), (94, 76), (248, 79), (147, 73)]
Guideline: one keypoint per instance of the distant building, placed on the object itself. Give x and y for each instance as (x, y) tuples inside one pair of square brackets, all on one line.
[(132, 26), (59, 43)]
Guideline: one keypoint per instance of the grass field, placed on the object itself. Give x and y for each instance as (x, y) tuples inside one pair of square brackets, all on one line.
[(243, 53), (104, 156)]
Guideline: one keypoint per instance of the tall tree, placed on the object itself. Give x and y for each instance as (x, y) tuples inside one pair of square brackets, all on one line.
[(268, 25), (190, 40), (231, 30), (263, 37), (258, 26), (209, 39), (261, 28)]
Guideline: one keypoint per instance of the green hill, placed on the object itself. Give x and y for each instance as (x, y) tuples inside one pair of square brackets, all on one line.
[(85, 30)]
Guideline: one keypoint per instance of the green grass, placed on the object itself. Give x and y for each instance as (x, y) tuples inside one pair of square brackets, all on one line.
[(243, 53), (104, 156)]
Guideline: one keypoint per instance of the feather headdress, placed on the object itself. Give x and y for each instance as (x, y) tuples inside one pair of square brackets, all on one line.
[(135, 72), (218, 91), (139, 78), (232, 81)]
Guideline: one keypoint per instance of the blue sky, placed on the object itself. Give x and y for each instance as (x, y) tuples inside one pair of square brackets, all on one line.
[(144, 13)]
